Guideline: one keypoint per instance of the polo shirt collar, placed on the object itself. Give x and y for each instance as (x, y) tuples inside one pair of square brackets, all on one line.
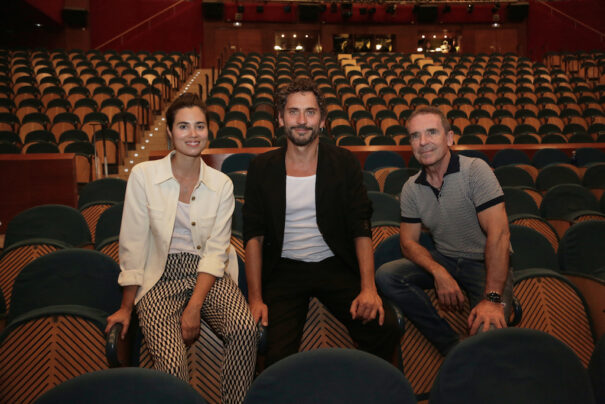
[(165, 172), (452, 167)]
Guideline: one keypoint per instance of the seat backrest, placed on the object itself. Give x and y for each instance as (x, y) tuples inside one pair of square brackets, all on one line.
[(123, 385), (239, 184), (581, 249), (522, 366), (383, 158), (546, 156), (551, 303), (563, 200), (513, 176), (531, 249), (55, 222), (102, 190), (237, 162), (394, 180), (587, 155), (556, 174), (510, 156), (108, 225), (41, 147), (237, 220), (67, 277), (370, 181), (388, 250), (475, 153), (517, 201), (594, 176), (385, 207), (329, 376)]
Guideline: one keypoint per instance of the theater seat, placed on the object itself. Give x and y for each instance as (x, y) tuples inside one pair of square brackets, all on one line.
[(125, 385), (551, 303), (331, 376), (56, 321), (512, 366), (108, 231)]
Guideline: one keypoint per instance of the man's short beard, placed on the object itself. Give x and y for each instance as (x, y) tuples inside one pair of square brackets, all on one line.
[(302, 142)]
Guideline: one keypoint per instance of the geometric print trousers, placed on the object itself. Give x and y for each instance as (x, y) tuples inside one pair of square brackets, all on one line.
[(226, 312)]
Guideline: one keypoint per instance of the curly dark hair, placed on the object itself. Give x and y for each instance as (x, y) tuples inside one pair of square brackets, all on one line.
[(299, 86), (186, 100)]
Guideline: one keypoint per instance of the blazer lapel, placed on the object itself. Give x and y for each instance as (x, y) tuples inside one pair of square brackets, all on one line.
[(321, 178), (276, 180)]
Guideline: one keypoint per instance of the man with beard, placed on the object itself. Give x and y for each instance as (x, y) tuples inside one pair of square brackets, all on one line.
[(307, 233)]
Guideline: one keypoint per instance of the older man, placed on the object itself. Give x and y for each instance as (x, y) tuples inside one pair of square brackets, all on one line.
[(459, 200)]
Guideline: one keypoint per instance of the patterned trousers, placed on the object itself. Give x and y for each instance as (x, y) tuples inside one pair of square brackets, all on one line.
[(224, 310)]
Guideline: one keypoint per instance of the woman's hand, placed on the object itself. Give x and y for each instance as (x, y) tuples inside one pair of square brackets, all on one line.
[(190, 324), (122, 316)]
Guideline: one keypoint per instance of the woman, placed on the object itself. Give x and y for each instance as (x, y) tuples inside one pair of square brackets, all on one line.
[(174, 251)]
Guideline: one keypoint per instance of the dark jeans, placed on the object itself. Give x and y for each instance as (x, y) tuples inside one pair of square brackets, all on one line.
[(404, 282), (287, 296)]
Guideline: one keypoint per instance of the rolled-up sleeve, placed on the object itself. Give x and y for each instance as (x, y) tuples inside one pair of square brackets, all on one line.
[(360, 206), (253, 205), (216, 251), (134, 231)]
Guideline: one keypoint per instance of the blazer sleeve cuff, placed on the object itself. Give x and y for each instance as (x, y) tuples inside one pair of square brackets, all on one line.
[(212, 265), (131, 277)]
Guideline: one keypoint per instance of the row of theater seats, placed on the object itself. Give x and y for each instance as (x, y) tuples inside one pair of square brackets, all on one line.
[(339, 375), (53, 284), (76, 102), (540, 279), (488, 99), (588, 65)]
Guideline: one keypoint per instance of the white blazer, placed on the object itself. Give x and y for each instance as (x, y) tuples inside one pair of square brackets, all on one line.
[(150, 207)]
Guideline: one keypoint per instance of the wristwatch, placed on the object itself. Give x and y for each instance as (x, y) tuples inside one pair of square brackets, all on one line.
[(493, 297)]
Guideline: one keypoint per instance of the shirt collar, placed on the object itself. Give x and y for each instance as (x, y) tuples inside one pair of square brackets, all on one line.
[(452, 167), (165, 172)]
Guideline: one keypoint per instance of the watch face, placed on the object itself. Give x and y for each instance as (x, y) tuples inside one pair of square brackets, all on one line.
[(494, 297)]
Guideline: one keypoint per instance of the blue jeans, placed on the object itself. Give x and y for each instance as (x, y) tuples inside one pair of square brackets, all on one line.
[(404, 282)]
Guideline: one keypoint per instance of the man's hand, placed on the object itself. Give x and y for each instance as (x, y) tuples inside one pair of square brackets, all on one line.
[(488, 313), (366, 305), (448, 291), (190, 324), (260, 312)]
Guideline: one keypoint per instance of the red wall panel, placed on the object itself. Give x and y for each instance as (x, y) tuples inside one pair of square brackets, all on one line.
[(549, 31), (52, 8), (179, 29)]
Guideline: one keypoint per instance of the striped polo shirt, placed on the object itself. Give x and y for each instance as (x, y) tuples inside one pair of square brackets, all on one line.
[(450, 213)]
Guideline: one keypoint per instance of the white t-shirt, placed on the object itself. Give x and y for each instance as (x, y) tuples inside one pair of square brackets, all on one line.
[(302, 238), (182, 240)]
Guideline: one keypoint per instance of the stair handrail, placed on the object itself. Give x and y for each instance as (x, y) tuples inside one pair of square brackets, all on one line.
[(576, 21), (140, 24)]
